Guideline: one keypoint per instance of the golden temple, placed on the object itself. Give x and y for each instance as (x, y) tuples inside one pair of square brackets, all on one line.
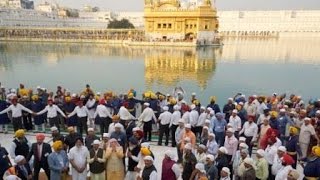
[(174, 20)]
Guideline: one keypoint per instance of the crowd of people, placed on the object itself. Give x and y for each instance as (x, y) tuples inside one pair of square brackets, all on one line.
[(250, 138)]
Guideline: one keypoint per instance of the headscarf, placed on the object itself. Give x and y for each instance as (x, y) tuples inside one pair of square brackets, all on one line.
[(293, 130), (57, 145), (316, 150), (113, 140), (19, 133)]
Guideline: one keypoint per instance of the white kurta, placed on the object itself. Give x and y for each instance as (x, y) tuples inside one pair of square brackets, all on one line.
[(79, 156), (283, 173), (89, 104)]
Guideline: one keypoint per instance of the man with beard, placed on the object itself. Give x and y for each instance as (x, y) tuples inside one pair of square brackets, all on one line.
[(132, 154), (96, 161), (213, 104), (292, 145), (227, 109), (78, 159), (70, 139), (55, 134), (20, 145)]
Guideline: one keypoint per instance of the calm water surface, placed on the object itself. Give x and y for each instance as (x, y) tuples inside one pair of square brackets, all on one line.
[(250, 66)]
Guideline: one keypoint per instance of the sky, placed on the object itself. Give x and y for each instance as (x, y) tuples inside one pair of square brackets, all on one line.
[(137, 5)]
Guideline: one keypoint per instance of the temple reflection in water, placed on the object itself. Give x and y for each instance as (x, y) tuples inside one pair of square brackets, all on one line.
[(168, 66)]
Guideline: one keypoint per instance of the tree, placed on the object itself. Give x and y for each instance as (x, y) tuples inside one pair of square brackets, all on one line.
[(122, 24)]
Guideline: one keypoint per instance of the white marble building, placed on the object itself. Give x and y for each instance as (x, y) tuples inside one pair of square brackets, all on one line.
[(268, 23)]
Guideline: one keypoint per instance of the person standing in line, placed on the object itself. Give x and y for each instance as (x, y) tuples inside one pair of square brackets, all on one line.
[(91, 106), (16, 109), (82, 115), (37, 106), (164, 121), (26, 116), (176, 116), (146, 118), (68, 107), (52, 114), (102, 114)]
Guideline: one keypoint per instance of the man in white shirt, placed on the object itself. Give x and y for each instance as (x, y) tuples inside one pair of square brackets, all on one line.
[(149, 171), (194, 116), (178, 137), (176, 116), (231, 144), (202, 118), (185, 115), (52, 114), (16, 109), (250, 107), (91, 106), (78, 156), (146, 118), (125, 115), (250, 131), (164, 122), (235, 121), (103, 115), (306, 131), (212, 145), (277, 163), (270, 153), (82, 116)]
